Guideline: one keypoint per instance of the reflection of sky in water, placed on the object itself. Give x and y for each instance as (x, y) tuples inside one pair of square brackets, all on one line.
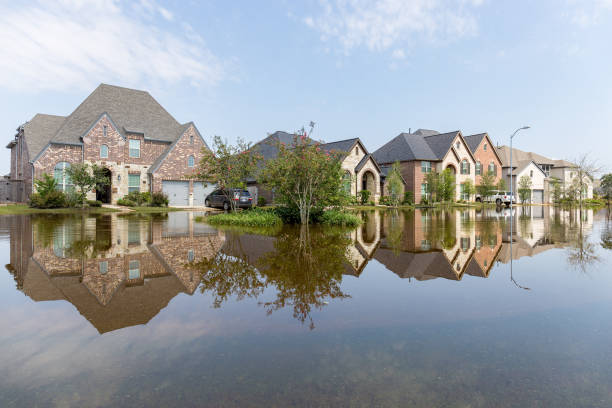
[(394, 342)]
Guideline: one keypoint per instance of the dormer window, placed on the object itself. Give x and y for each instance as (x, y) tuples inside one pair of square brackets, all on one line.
[(105, 131)]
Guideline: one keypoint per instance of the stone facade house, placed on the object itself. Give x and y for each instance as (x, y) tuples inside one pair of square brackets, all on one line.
[(485, 155), (562, 170), (127, 132), (361, 172), (425, 151)]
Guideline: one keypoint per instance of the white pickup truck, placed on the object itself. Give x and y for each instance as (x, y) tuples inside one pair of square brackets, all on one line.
[(497, 197)]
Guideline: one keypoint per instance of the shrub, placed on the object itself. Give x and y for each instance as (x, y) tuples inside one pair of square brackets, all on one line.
[(139, 198), (261, 201), (424, 201), (252, 218), (159, 200), (291, 215), (384, 200), (73, 199), (126, 202), (52, 199), (408, 198), (340, 218), (94, 203), (364, 196)]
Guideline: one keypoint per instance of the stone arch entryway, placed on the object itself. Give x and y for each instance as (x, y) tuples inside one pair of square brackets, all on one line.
[(103, 191), (368, 182)]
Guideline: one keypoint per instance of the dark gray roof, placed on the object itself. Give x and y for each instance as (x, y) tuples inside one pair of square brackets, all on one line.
[(474, 140), (416, 146), (343, 146), (129, 109), (363, 162), (425, 132), (268, 148), (39, 130)]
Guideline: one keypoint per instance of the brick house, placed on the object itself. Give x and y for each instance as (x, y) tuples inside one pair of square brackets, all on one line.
[(127, 132), (486, 157), (361, 172), (424, 151)]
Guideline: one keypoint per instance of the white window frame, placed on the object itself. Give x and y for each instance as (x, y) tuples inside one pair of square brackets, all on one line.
[(191, 161), (134, 149), (425, 166), (132, 187), (64, 183), (478, 168), (103, 156)]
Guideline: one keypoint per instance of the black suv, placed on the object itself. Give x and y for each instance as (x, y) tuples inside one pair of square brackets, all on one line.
[(221, 199)]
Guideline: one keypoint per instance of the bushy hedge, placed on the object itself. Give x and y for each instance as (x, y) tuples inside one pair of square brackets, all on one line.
[(51, 199), (248, 218), (340, 218), (146, 199)]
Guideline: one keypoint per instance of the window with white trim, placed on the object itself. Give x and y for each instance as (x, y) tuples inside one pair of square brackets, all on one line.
[(133, 182), (104, 151), (61, 176), (134, 148), (190, 161), (493, 169), (465, 167), (478, 168), (425, 167)]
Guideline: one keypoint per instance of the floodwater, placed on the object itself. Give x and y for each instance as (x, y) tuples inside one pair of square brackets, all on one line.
[(423, 309)]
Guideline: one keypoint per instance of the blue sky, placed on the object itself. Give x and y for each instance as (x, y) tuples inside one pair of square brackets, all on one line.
[(357, 68)]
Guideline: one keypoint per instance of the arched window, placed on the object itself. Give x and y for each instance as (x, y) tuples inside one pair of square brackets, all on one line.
[(104, 151), (465, 167), (190, 161), (191, 139), (493, 169), (63, 180), (478, 168), (485, 147)]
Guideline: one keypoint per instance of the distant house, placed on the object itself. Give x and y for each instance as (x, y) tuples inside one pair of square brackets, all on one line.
[(424, 151), (485, 155), (127, 132), (561, 170), (361, 172)]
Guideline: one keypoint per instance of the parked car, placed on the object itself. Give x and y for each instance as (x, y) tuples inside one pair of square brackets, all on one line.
[(497, 197), (221, 199)]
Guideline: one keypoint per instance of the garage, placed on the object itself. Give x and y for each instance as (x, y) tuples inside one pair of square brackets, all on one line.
[(537, 196), (200, 191), (177, 192)]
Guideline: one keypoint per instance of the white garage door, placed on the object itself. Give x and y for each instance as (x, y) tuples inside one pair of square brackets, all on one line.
[(200, 192), (537, 196), (177, 192)]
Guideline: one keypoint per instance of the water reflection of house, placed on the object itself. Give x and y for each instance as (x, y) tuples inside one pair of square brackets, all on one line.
[(365, 241), (541, 228), (427, 245), (117, 271)]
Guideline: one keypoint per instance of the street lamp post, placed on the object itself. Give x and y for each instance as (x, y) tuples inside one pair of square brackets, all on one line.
[(511, 203)]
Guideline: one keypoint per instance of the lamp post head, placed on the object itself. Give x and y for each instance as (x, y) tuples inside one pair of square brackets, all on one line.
[(525, 127)]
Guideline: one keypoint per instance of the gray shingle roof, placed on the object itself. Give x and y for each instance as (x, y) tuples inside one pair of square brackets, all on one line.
[(39, 130), (519, 155), (424, 145), (474, 140), (344, 146), (129, 109), (267, 147)]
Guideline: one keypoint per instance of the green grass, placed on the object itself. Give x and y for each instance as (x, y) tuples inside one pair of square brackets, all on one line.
[(250, 218), (340, 218), (155, 209), (16, 209)]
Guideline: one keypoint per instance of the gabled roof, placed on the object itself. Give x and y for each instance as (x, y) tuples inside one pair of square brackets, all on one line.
[(39, 130), (268, 148), (523, 164), (474, 140), (420, 145), (132, 110), (165, 154), (344, 146), (363, 162), (519, 155)]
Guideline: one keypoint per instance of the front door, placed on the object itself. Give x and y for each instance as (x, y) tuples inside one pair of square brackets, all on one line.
[(103, 190)]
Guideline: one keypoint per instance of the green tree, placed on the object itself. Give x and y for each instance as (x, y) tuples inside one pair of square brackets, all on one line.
[(468, 189), (487, 185), (227, 166), (524, 188), (85, 178), (305, 177), (433, 182), (586, 169), (447, 187), (606, 187), (501, 185), (394, 181), (556, 190)]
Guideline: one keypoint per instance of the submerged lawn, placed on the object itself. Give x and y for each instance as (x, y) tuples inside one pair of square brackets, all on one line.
[(249, 218), (16, 209)]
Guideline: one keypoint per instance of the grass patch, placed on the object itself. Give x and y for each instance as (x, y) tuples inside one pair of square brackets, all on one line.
[(340, 218), (16, 209), (249, 218)]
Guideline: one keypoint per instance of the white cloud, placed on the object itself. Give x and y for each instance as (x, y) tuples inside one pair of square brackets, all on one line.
[(384, 24), (79, 43), (585, 13)]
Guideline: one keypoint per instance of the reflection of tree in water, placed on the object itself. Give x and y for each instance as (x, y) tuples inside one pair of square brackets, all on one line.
[(395, 230), (582, 252), (441, 228), (304, 269), (606, 232)]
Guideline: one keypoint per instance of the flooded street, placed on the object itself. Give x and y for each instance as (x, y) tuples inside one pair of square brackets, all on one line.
[(414, 308)]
